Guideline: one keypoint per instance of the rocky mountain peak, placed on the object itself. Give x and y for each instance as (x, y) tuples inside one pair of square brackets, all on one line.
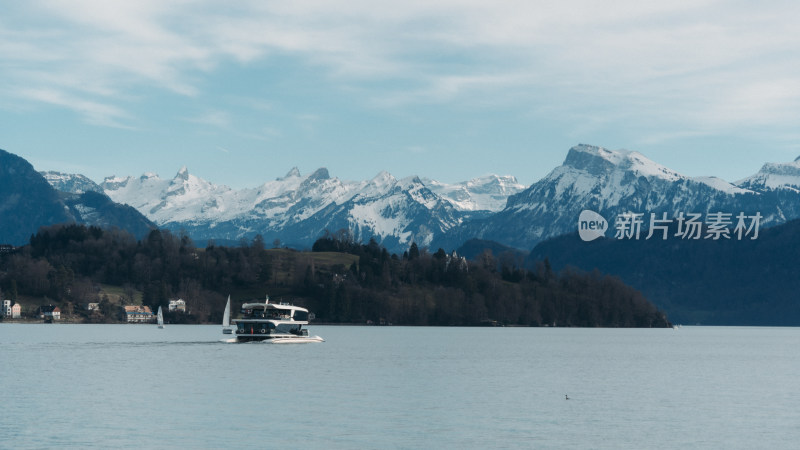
[(594, 160), (774, 176), (383, 178), (320, 174), (182, 174), (293, 173), (599, 161)]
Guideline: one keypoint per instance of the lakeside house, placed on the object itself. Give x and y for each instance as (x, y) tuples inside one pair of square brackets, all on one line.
[(50, 312), (139, 314), (177, 305), (11, 309)]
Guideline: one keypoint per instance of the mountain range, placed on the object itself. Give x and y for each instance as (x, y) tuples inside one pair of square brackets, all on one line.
[(614, 182), (297, 209)]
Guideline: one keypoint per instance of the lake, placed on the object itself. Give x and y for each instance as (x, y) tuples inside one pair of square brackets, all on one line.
[(101, 386)]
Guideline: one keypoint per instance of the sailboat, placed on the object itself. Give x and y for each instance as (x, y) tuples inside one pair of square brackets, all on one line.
[(226, 318), (160, 318)]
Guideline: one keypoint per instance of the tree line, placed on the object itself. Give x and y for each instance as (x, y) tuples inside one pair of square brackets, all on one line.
[(339, 280)]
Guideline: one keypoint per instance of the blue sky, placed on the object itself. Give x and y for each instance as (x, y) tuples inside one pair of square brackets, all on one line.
[(454, 89)]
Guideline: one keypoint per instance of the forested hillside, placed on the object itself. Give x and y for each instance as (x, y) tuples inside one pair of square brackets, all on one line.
[(752, 282), (341, 281)]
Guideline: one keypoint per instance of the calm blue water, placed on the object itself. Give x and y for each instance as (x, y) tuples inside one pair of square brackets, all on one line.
[(100, 386)]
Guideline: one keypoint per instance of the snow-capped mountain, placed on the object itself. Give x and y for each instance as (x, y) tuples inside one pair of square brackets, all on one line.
[(393, 212), (612, 182), (488, 193), (298, 209), (183, 198), (774, 176)]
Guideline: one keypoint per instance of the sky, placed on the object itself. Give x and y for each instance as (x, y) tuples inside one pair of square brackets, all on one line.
[(241, 92)]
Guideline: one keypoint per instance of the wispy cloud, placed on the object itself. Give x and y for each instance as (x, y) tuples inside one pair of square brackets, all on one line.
[(94, 112), (718, 63)]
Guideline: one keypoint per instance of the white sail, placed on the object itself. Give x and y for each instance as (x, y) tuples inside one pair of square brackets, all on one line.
[(160, 318), (226, 318)]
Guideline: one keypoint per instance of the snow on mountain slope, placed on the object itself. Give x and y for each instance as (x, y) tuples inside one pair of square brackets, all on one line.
[(393, 212), (295, 198), (190, 199), (594, 175), (774, 176), (184, 198), (297, 208), (595, 160), (721, 185), (487, 193), (143, 193), (610, 182), (607, 178), (74, 183), (401, 212)]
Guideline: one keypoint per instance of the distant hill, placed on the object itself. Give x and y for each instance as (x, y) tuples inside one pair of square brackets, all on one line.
[(725, 282), (28, 202), (94, 208), (474, 247)]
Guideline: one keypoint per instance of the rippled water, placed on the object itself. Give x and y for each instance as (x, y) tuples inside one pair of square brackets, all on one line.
[(91, 386)]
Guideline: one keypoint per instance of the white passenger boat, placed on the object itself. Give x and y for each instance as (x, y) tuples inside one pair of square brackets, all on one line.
[(277, 323)]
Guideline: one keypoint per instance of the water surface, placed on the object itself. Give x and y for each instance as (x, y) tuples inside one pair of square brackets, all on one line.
[(100, 386)]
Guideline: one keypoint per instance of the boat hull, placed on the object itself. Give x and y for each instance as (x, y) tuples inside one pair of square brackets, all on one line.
[(296, 340), (280, 339)]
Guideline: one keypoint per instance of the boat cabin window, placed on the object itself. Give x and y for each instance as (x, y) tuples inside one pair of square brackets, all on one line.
[(288, 328), (279, 314), (248, 313), (300, 315), (257, 313)]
